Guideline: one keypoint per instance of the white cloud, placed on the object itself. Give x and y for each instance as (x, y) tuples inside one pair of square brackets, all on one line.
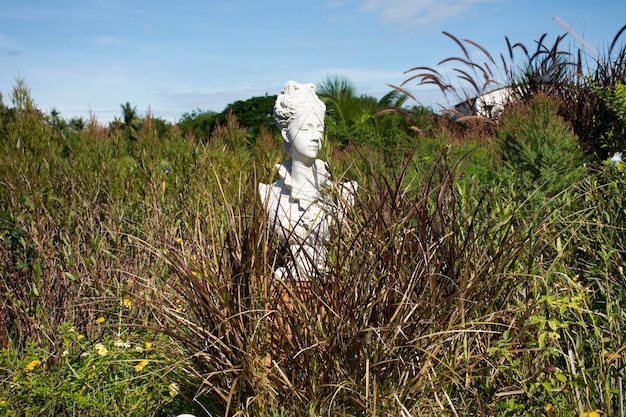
[(421, 12)]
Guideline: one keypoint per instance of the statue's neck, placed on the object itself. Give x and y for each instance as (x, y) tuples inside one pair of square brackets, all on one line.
[(304, 178)]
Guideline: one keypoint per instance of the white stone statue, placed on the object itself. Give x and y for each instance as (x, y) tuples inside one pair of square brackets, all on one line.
[(304, 204)]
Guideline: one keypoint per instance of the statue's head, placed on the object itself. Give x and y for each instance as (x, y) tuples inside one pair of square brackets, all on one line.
[(299, 114)]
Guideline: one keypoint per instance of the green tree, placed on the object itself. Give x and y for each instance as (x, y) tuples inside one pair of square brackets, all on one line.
[(55, 120), (5, 114), (198, 124), (364, 119), (76, 124), (131, 120), (343, 106), (251, 114)]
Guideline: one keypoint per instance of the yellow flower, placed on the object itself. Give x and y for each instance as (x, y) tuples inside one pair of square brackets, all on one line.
[(179, 240), (127, 302), (595, 413), (32, 364), (148, 345), (100, 320), (173, 389), (142, 364), (549, 410), (194, 273), (102, 351), (79, 337)]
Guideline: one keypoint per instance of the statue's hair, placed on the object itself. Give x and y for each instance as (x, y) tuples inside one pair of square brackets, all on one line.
[(295, 98)]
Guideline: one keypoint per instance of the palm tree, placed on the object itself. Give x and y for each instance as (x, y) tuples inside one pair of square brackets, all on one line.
[(342, 103), (131, 120), (55, 119), (362, 119)]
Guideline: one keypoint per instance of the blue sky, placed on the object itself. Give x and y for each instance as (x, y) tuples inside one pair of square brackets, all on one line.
[(82, 56)]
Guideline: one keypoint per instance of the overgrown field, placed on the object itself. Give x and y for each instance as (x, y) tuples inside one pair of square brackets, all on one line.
[(481, 272)]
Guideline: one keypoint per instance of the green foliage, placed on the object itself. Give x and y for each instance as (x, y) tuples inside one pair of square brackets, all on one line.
[(579, 84), (383, 125), (538, 149), (618, 100), (25, 130), (130, 121), (343, 107), (254, 115), (459, 284), (197, 124), (119, 373), (615, 99)]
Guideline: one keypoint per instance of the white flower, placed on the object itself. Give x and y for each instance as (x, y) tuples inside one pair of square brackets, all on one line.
[(102, 351), (121, 343), (615, 159)]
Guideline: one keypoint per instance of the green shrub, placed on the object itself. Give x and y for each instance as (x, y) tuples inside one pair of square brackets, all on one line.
[(539, 151), (615, 99)]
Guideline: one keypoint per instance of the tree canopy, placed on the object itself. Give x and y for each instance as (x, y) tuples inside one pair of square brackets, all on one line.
[(251, 114)]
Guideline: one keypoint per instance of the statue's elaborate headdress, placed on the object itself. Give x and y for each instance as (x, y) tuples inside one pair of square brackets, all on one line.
[(296, 98)]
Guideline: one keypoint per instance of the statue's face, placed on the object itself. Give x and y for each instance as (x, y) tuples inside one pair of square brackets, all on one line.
[(304, 136)]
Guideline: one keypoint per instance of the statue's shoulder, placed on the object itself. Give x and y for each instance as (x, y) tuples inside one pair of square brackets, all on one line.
[(271, 193), (264, 189), (273, 187)]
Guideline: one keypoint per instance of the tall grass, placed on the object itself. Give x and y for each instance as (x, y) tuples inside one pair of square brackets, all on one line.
[(446, 293), (586, 85)]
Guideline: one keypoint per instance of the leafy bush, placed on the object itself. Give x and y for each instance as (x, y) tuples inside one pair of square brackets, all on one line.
[(614, 97)]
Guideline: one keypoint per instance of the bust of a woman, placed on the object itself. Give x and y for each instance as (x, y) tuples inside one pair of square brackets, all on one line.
[(301, 206)]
